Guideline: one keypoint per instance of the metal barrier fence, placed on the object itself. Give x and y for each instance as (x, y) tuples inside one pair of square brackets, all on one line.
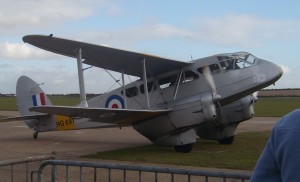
[(91, 171), (19, 169)]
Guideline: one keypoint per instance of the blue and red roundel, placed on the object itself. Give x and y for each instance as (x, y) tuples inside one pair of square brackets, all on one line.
[(115, 102)]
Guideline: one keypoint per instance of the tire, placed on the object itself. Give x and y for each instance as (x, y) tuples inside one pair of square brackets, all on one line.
[(184, 148), (35, 135), (227, 140)]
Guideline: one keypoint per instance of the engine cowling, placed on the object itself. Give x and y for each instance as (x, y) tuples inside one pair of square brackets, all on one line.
[(228, 118)]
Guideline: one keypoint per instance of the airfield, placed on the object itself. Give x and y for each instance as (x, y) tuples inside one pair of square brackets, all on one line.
[(17, 141)]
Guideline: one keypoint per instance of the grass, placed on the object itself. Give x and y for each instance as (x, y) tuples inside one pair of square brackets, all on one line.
[(8, 104), (276, 107), (242, 154)]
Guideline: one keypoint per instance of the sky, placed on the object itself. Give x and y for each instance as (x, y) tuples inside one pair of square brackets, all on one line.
[(173, 29)]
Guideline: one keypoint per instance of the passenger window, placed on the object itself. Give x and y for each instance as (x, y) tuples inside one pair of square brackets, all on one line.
[(150, 85), (131, 92), (189, 76), (167, 81)]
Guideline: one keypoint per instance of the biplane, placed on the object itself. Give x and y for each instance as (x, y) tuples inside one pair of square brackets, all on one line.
[(172, 102)]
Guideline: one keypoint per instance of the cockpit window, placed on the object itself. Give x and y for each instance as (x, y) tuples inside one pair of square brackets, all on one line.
[(250, 58), (227, 64), (214, 68), (236, 61)]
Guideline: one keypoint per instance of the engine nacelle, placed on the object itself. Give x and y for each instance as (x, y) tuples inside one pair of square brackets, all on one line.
[(173, 128), (228, 118)]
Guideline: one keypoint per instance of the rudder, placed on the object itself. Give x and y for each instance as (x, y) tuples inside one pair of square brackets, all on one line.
[(29, 94)]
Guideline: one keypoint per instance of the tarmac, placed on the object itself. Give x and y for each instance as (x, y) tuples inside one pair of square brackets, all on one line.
[(17, 140)]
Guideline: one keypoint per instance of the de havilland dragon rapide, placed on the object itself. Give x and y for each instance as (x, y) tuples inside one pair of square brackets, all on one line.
[(172, 103)]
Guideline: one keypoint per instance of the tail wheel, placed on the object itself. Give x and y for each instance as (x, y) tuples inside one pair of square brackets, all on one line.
[(227, 140), (184, 148)]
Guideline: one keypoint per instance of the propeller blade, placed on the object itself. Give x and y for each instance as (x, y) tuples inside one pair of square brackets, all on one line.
[(254, 96), (208, 76)]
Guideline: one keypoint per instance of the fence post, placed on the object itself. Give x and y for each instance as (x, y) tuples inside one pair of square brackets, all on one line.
[(40, 176), (53, 173)]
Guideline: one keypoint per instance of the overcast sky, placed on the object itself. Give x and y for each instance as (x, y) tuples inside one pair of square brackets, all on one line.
[(173, 29)]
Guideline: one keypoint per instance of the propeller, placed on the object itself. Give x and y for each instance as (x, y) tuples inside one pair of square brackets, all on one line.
[(252, 101), (255, 94), (254, 97), (215, 97), (208, 76)]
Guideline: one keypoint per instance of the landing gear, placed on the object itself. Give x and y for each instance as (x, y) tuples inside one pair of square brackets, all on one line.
[(227, 140), (184, 148), (35, 135)]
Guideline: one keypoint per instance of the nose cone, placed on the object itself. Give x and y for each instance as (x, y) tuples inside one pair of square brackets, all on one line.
[(268, 72)]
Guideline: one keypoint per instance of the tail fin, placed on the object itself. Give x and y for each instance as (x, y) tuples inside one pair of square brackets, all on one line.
[(29, 94)]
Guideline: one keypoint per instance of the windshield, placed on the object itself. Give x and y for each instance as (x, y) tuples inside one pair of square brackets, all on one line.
[(236, 61)]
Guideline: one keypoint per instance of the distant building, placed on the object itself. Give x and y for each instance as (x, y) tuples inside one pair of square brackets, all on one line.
[(279, 93)]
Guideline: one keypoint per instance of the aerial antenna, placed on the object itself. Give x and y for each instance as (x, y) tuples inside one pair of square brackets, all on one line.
[(192, 58)]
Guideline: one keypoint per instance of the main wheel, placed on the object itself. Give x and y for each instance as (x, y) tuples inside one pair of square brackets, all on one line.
[(35, 135), (227, 140), (184, 148)]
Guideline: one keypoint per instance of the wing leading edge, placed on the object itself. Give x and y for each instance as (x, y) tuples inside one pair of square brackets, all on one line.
[(28, 117), (105, 57), (121, 117)]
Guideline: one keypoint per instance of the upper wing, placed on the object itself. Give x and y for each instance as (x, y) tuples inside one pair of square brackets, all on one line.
[(121, 117), (105, 57)]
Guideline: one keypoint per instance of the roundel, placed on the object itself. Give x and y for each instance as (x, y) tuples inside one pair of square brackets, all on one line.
[(115, 102)]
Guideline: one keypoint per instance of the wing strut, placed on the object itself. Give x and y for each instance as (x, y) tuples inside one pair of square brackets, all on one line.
[(83, 102), (177, 84), (145, 83), (124, 90)]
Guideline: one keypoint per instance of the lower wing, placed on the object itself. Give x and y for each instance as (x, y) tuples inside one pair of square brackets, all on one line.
[(121, 117)]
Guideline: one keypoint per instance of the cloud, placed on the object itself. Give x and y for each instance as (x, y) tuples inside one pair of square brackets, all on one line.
[(59, 78), (35, 13), (142, 33), (228, 31), (19, 15), (23, 51), (242, 30)]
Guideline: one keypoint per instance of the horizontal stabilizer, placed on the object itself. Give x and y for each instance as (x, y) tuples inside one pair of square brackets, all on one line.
[(28, 117), (121, 117)]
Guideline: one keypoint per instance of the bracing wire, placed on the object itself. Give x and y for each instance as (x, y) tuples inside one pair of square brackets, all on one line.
[(108, 90)]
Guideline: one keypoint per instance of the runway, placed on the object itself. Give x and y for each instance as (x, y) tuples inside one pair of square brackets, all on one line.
[(17, 141)]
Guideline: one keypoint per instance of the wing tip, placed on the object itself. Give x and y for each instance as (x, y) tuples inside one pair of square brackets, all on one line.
[(31, 38)]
